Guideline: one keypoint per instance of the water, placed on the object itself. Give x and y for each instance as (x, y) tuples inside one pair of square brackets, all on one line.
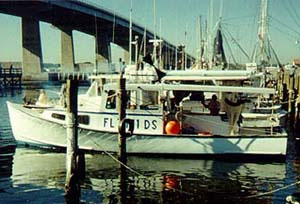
[(29, 175)]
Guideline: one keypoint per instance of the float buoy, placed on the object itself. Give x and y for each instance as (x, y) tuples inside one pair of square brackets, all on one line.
[(172, 127)]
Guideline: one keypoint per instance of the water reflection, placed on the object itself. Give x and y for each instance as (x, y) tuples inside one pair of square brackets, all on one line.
[(158, 181), (38, 176), (6, 159)]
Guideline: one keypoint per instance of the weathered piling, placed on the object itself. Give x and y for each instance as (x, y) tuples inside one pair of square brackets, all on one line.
[(284, 96), (126, 127), (291, 98), (123, 185), (121, 104), (297, 98), (72, 188), (289, 92)]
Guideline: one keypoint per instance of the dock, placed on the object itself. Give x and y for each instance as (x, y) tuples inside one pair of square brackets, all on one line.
[(63, 76), (10, 78), (288, 88)]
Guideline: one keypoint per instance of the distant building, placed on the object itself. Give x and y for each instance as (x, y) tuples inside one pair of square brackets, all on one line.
[(296, 63), (6, 65)]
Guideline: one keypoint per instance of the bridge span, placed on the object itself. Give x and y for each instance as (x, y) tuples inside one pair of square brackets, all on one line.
[(81, 15)]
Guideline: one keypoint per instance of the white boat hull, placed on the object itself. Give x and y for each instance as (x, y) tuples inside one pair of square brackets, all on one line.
[(29, 128)]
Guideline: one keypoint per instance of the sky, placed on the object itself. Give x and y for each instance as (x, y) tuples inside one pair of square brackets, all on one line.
[(177, 22)]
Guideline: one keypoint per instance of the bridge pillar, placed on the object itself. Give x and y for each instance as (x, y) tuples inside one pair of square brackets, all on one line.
[(103, 52), (32, 50), (126, 54), (67, 50)]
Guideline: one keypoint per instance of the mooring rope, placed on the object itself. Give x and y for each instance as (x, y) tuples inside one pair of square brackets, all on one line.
[(133, 170), (115, 159), (274, 191)]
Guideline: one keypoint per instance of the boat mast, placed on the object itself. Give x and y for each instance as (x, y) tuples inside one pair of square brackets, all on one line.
[(201, 43), (130, 32), (185, 48), (154, 42), (176, 44), (160, 47), (145, 38), (210, 32), (263, 32), (96, 44), (205, 44)]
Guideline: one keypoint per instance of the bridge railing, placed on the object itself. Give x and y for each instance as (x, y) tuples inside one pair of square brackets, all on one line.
[(93, 4), (98, 6)]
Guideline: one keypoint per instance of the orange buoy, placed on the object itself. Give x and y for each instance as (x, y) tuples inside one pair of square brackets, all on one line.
[(172, 127), (170, 182)]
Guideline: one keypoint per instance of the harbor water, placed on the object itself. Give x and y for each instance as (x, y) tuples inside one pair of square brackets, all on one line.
[(33, 175)]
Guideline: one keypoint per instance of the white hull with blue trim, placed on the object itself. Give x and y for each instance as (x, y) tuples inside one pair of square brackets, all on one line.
[(30, 128), (151, 106)]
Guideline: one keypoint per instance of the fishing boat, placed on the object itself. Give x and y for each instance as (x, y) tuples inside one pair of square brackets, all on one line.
[(161, 125)]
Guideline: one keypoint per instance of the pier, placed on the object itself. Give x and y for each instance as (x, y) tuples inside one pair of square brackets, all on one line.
[(10, 78), (288, 87)]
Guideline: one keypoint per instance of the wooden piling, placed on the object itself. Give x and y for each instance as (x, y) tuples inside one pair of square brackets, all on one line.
[(297, 119), (121, 104), (72, 188), (284, 99), (291, 107), (123, 185)]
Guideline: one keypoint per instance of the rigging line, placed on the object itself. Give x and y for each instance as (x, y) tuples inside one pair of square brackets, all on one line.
[(254, 55), (294, 11), (235, 25), (275, 54), (230, 50), (284, 32), (234, 40), (273, 191), (290, 13), (255, 20), (285, 25), (133, 170), (237, 18)]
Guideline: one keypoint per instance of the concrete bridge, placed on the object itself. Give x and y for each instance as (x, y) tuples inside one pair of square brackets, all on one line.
[(69, 15)]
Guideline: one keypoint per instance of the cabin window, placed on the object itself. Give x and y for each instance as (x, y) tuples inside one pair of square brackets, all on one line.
[(197, 96), (58, 116), (149, 100), (111, 100), (83, 119), (132, 100)]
